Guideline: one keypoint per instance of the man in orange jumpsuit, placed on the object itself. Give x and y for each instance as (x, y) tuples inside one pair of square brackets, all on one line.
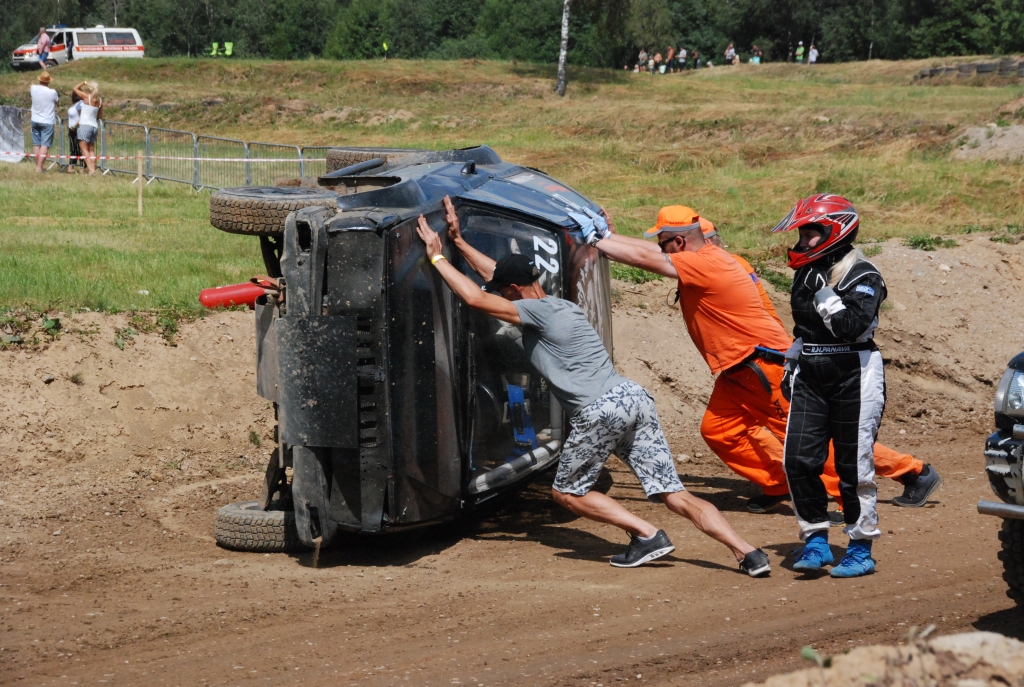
[(734, 325)]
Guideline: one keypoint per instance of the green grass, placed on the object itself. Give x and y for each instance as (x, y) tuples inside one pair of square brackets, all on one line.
[(740, 145), (69, 241), (925, 242)]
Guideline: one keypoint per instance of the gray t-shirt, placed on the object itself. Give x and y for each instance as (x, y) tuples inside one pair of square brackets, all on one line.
[(567, 351)]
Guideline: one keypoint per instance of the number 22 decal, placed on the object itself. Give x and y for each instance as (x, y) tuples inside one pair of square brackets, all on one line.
[(548, 246)]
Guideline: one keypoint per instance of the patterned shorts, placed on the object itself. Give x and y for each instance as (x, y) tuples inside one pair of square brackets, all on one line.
[(625, 422)]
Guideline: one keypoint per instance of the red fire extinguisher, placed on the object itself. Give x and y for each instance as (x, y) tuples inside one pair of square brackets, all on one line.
[(238, 294)]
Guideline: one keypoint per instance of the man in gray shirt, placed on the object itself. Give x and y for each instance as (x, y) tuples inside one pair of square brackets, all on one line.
[(609, 413)]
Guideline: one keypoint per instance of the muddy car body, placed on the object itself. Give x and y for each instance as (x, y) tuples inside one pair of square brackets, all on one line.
[(397, 405), (1004, 465)]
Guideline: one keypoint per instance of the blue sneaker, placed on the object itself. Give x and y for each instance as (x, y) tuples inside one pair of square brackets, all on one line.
[(815, 554), (857, 560)]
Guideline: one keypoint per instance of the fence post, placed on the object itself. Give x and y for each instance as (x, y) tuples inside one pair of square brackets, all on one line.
[(195, 162), (149, 164), (302, 163), (248, 167), (138, 158), (103, 146)]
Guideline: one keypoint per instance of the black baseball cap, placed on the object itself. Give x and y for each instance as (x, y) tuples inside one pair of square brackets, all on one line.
[(512, 269)]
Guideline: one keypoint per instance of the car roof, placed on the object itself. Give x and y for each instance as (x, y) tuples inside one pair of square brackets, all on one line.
[(474, 176)]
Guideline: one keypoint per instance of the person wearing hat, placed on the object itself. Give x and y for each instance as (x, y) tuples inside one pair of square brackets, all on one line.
[(44, 116), (919, 480), (609, 413), (800, 52)]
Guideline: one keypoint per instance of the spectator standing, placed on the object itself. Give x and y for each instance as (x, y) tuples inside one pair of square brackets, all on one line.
[(696, 60), (657, 62), (812, 55), (681, 58), (89, 121), (74, 116), (44, 116), (642, 59), (730, 54), (800, 52), (670, 60), (43, 47)]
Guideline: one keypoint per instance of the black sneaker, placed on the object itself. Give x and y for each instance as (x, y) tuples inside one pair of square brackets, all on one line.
[(756, 564), (836, 518), (765, 503), (917, 488), (642, 551)]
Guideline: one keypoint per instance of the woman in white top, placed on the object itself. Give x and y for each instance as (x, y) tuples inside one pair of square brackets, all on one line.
[(89, 121)]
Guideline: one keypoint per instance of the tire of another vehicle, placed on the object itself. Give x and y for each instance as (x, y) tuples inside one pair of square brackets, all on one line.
[(1012, 556), (261, 210), (339, 158), (243, 526)]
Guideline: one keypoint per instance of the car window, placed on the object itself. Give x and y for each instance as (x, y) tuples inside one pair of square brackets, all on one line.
[(120, 38), (58, 39), (91, 38)]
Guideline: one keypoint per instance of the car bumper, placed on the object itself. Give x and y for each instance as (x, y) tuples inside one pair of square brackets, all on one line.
[(1001, 510)]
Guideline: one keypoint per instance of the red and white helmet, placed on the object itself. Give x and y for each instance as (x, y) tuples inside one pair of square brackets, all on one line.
[(833, 215)]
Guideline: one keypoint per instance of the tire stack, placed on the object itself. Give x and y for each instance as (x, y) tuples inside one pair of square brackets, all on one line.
[(986, 67), (1008, 66), (965, 70)]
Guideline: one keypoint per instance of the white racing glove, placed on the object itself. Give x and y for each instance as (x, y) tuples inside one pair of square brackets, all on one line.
[(828, 303), (792, 357), (591, 234)]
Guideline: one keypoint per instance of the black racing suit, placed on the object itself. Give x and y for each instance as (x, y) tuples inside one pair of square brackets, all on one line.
[(838, 394)]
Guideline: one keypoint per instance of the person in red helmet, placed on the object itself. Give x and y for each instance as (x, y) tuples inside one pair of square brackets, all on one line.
[(835, 380)]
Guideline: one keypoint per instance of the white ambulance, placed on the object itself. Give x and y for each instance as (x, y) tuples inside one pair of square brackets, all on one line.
[(77, 44)]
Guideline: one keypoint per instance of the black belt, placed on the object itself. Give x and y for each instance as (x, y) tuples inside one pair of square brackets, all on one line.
[(835, 349), (750, 363)]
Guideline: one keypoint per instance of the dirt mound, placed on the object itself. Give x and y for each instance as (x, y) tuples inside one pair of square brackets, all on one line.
[(974, 659), (991, 143)]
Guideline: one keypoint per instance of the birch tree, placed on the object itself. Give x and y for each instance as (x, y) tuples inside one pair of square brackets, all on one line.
[(564, 51)]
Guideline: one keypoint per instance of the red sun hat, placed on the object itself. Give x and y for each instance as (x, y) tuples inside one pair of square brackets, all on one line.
[(832, 215), (674, 218)]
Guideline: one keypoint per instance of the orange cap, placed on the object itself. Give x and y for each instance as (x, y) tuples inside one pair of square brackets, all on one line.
[(674, 218), (707, 227)]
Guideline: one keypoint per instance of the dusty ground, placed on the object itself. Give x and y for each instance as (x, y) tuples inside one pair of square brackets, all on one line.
[(991, 143), (109, 574)]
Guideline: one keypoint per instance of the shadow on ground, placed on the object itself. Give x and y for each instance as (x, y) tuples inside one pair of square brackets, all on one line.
[(1009, 622)]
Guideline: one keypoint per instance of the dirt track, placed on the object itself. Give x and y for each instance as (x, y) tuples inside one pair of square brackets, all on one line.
[(108, 571)]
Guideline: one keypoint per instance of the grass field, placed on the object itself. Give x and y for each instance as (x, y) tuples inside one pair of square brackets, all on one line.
[(739, 144)]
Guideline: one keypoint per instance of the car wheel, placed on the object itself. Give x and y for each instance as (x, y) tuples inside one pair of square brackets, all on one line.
[(1012, 556), (339, 158), (50, 64), (261, 210), (245, 526)]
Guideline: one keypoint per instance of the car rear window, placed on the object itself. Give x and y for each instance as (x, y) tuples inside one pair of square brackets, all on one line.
[(120, 38), (95, 38)]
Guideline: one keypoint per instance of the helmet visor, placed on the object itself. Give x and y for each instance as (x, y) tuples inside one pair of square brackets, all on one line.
[(812, 235)]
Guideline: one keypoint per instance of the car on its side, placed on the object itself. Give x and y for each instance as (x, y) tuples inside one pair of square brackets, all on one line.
[(396, 404)]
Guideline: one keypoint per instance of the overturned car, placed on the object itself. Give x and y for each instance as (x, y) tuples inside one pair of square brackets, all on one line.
[(396, 405)]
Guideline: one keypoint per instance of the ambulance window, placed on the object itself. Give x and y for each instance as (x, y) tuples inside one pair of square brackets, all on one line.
[(58, 39), (92, 38), (120, 38)]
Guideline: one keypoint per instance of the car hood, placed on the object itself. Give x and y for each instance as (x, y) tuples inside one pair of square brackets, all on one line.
[(28, 47)]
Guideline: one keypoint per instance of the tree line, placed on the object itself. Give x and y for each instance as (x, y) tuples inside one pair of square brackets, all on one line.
[(602, 33)]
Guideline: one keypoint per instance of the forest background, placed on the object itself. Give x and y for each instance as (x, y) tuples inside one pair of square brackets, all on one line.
[(603, 33)]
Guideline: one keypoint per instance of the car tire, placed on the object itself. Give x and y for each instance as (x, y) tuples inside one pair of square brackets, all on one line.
[(244, 526), (261, 210), (51, 64), (339, 158), (1012, 555)]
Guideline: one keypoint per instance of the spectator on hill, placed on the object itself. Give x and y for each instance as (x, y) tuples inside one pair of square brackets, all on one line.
[(670, 60), (730, 54), (43, 47), (696, 60), (89, 121), (812, 55), (642, 59), (658, 62), (44, 116), (755, 54), (681, 58), (800, 52), (74, 116)]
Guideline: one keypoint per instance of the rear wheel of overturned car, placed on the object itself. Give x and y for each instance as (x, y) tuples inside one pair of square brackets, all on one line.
[(1012, 556), (339, 158), (245, 526), (261, 210)]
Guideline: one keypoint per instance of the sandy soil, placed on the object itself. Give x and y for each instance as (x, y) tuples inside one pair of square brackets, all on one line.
[(109, 573), (991, 143)]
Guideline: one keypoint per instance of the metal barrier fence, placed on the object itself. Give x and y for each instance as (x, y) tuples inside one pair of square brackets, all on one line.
[(169, 143), (187, 152), (217, 174), (119, 139), (265, 173)]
